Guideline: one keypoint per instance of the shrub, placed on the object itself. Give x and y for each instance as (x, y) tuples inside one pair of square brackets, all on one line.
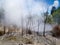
[(56, 31), (29, 31), (1, 33)]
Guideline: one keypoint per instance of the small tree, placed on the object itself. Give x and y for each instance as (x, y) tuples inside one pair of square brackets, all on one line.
[(45, 19), (38, 25), (29, 22), (22, 24), (56, 19), (53, 9)]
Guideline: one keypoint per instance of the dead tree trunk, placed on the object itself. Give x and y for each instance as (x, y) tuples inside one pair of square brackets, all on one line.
[(4, 29), (44, 30), (22, 24)]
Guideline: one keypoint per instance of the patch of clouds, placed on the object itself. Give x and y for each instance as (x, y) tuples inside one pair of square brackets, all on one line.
[(56, 4)]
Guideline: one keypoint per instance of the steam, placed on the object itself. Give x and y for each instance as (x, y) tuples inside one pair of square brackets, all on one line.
[(15, 9)]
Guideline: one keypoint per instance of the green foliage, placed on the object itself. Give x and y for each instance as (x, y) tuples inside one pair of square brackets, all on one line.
[(53, 9), (56, 12), (56, 16), (49, 19)]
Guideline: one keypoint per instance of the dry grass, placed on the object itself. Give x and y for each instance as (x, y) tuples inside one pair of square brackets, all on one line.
[(12, 38), (27, 41)]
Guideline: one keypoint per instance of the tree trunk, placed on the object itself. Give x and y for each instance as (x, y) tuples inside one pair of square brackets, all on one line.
[(44, 30), (4, 29)]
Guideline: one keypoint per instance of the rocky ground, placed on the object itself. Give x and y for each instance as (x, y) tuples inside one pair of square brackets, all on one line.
[(16, 38), (28, 40)]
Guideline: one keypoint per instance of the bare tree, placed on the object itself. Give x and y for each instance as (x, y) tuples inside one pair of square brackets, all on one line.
[(45, 19), (22, 24), (29, 23), (38, 21)]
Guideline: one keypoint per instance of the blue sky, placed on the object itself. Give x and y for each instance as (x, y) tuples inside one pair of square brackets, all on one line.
[(50, 2)]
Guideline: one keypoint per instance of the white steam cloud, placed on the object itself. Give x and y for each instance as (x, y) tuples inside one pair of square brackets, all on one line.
[(15, 9)]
